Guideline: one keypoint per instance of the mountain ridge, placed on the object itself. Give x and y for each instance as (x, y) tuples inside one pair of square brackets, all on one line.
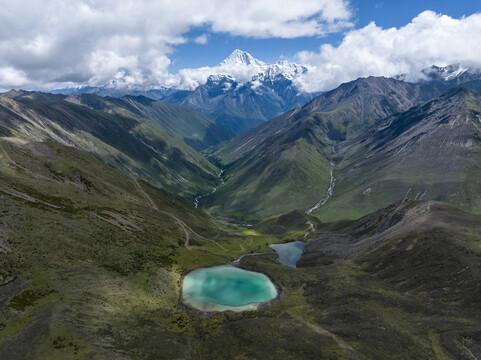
[(195, 129), (131, 144), (318, 129)]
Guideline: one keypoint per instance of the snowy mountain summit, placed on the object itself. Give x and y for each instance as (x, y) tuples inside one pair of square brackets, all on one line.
[(240, 67), (239, 57), (242, 92), (244, 68)]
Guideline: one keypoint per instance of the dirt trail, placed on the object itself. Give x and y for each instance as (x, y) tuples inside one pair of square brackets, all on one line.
[(145, 195), (9, 159), (186, 229), (192, 231), (311, 229)]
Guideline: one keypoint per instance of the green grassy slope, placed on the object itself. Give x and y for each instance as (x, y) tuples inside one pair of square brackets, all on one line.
[(284, 164), (283, 173), (92, 258), (136, 147), (194, 128)]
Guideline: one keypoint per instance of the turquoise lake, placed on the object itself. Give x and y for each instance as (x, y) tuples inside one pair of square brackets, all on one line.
[(226, 287), (289, 253)]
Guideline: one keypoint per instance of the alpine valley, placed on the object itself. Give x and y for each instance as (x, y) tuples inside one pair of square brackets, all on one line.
[(110, 198)]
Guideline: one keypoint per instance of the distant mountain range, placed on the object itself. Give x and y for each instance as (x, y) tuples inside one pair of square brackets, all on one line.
[(113, 90), (240, 92), (240, 106), (453, 75)]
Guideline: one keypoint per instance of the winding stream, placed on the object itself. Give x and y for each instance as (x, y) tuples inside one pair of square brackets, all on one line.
[(214, 189), (328, 194), (236, 261)]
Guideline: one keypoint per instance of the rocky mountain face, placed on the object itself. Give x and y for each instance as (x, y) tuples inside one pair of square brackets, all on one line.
[(430, 151), (454, 75), (239, 105)]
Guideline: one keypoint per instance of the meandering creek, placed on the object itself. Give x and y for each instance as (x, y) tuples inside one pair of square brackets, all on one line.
[(214, 189), (227, 287)]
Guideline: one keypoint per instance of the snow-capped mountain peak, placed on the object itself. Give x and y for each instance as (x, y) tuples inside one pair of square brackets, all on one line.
[(244, 67), (239, 57), (239, 67)]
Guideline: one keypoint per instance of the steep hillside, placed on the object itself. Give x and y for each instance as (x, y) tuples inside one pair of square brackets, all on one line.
[(194, 128), (285, 163), (346, 111), (136, 147), (402, 281), (431, 151), (285, 172)]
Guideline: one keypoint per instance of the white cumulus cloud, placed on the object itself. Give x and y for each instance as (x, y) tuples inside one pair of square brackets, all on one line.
[(429, 39), (201, 39), (51, 43)]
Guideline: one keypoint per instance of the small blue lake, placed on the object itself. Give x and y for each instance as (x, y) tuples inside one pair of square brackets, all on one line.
[(226, 287), (289, 253)]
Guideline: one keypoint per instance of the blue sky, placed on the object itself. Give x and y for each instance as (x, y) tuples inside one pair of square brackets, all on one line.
[(387, 14), (145, 44)]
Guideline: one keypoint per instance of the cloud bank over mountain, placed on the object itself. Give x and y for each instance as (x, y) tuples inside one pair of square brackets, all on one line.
[(43, 44), (57, 44), (429, 39)]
